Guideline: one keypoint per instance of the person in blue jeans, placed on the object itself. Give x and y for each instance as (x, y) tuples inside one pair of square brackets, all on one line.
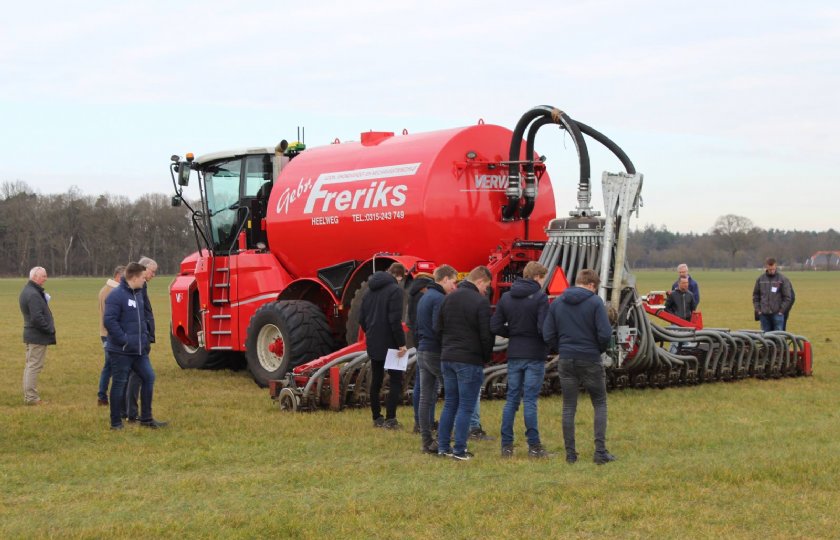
[(578, 327), (105, 376), (519, 316), (463, 328), (127, 345), (772, 297)]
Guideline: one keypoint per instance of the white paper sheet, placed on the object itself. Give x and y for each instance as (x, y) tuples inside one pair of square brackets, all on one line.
[(392, 361)]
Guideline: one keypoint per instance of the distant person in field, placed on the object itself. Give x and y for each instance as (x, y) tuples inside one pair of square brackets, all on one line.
[(428, 351), (681, 301), (381, 319), (105, 376), (463, 328), (578, 327), (38, 332), (682, 270), (519, 316), (128, 345), (133, 389), (772, 297), (418, 288)]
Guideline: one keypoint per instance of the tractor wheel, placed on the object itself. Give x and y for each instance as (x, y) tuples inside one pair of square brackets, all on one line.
[(188, 357), (352, 326), (283, 335), (198, 358)]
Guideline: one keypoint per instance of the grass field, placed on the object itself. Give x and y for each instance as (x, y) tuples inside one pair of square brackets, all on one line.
[(753, 459)]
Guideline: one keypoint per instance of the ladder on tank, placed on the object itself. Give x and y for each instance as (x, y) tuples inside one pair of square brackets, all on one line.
[(220, 335)]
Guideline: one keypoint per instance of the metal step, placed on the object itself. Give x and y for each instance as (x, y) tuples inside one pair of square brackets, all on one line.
[(220, 332), (222, 269), (222, 285), (220, 316), (220, 348)]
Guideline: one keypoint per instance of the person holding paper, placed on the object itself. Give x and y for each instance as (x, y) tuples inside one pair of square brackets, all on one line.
[(381, 319)]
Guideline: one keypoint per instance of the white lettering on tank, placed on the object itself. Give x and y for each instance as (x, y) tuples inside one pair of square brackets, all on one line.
[(380, 193), (290, 195)]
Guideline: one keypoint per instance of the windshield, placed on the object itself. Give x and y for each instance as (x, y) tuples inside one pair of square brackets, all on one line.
[(222, 184)]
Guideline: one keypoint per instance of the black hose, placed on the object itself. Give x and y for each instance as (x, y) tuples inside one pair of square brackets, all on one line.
[(606, 141)]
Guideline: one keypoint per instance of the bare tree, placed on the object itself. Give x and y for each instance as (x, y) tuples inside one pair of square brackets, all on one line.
[(733, 234)]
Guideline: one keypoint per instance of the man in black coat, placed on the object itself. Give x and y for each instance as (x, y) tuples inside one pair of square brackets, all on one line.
[(463, 327), (381, 319), (38, 331), (681, 301)]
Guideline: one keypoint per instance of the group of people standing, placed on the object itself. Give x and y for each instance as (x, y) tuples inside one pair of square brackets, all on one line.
[(773, 297), (454, 333), (127, 330)]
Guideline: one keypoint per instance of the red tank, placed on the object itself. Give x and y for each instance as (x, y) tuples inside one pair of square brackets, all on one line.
[(436, 195)]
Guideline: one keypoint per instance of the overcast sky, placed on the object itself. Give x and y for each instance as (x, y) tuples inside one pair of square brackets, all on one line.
[(725, 107)]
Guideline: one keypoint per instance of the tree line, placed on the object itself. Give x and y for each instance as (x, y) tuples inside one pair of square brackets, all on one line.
[(733, 242), (73, 234)]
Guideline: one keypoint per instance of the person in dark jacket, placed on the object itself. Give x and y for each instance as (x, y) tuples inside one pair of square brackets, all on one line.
[(133, 389), (38, 332), (381, 319), (519, 316), (771, 297), (418, 287), (428, 351), (463, 327), (681, 301), (128, 345), (578, 327), (682, 270)]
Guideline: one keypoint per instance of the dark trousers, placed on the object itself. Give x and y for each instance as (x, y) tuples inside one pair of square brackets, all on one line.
[(430, 377), (395, 377), (573, 374), (121, 366)]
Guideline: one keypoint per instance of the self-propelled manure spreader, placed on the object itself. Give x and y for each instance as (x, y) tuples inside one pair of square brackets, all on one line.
[(288, 236)]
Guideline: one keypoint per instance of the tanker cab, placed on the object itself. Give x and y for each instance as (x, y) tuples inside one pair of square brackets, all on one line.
[(237, 190)]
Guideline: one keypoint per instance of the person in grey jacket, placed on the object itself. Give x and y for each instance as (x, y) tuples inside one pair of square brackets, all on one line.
[(578, 327), (771, 297), (38, 331)]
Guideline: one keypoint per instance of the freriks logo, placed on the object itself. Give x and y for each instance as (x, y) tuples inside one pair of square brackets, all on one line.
[(376, 187)]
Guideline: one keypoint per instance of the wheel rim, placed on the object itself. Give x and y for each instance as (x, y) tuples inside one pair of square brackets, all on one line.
[(288, 400), (269, 342), (188, 349)]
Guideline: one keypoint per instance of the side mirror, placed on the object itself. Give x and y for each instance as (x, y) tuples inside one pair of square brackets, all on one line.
[(176, 201), (183, 173)]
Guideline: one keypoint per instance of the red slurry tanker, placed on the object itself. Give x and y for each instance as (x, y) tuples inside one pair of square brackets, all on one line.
[(288, 236)]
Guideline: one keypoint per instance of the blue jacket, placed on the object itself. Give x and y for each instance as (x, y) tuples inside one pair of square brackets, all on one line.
[(125, 320), (519, 316), (577, 325), (427, 313), (692, 286)]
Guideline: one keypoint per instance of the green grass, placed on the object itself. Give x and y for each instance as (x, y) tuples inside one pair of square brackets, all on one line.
[(743, 460)]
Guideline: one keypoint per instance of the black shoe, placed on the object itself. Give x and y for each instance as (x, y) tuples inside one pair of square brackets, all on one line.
[(377, 422), (478, 434), (117, 427), (152, 424), (131, 419), (435, 426), (466, 456), (571, 457), (416, 428), (507, 451), (392, 423), (538, 451), (603, 457), (445, 453), (431, 448)]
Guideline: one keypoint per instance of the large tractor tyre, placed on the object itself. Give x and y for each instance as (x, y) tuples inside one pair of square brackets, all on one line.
[(198, 358), (352, 326), (285, 334), (188, 357)]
